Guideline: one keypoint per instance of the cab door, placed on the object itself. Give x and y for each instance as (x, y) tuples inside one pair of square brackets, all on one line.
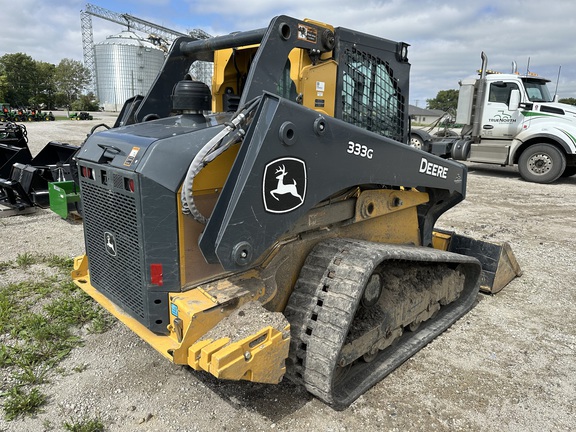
[(499, 122)]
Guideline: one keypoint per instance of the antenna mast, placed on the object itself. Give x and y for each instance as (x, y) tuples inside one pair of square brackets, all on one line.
[(557, 81)]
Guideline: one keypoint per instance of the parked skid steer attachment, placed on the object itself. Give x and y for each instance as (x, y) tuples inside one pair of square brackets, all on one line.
[(13, 147), (24, 179), (499, 265), (290, 231)]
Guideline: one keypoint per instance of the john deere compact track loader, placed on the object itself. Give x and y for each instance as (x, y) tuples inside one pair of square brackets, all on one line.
[(277, 224)]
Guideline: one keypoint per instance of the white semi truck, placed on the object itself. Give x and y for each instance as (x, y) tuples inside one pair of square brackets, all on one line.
[(510, 119)]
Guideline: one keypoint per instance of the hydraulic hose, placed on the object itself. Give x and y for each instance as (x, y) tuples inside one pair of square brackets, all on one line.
[(209, 152)]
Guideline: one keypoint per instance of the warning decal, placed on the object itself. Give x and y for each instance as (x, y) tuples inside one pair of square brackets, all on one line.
[(130, 159), (307, 33)]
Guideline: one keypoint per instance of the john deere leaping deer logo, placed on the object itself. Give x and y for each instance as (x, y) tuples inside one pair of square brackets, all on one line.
[(283, 188), (110, 243), (284, 185)]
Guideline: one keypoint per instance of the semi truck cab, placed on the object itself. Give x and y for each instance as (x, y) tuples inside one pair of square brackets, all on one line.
[(511, 119)]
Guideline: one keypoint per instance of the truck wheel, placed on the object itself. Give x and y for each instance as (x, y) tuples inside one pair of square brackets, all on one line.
[(416, 141), (541, 163)]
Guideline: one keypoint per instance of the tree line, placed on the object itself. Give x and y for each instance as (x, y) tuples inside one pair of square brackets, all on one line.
[(29, 83)]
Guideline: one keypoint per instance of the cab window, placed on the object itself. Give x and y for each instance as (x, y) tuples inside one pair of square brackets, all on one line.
[(500, 92)]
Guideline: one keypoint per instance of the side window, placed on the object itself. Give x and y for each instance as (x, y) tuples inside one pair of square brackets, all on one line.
[(500, 92), (534, 93), (370, 95), (285, 86)]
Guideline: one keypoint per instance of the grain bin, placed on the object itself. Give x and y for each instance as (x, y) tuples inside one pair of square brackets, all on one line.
[(126, 65)]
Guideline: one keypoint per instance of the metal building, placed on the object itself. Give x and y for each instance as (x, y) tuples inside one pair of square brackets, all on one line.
[(126, 65)]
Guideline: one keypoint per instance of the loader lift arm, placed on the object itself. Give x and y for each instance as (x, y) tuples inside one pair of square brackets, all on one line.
[(285, 131)]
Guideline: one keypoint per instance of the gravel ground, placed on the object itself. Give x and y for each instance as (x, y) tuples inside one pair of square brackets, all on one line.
[(508, 365)]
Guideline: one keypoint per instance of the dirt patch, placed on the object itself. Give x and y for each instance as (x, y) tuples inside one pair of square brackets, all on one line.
[(246, 321), (507, 365)]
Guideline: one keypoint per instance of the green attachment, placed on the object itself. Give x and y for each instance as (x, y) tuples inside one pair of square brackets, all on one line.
[(63, 195)]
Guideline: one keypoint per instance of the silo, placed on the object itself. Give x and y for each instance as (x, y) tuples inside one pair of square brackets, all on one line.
[(126, 65)]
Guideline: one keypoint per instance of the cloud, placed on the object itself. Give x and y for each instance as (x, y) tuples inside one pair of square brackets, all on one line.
[(446, 36)]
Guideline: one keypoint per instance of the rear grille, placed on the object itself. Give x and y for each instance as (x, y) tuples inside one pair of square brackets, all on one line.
[(108, 212)]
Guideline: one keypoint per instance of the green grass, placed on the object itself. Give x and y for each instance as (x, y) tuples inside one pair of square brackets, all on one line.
[(4, 266), (64, 264), (84, 425), (19, 402), (39, 323), (25, 260)]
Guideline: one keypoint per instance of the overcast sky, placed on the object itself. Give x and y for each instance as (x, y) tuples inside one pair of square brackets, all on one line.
[(446, 37)]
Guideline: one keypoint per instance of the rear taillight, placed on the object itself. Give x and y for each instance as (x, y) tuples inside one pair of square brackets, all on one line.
[(129, 185), (87, 173), (156, 276)]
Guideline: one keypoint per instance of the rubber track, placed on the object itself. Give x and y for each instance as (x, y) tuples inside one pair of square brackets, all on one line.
[(323, 305)]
